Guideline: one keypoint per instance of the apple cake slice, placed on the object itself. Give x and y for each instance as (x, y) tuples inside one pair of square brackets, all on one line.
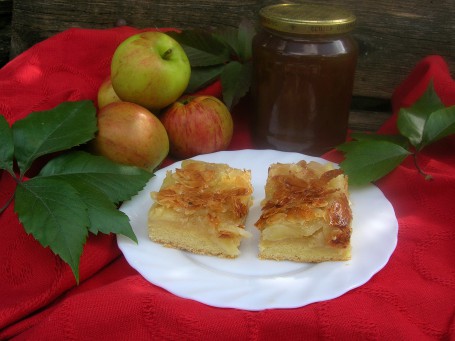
[(306, 214), (202, 207)]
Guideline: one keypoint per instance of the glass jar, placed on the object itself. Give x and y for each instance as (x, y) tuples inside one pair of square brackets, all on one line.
[(304, 61)]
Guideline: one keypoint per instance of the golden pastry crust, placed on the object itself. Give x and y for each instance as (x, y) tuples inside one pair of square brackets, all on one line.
[(306, 215), (202, 207)]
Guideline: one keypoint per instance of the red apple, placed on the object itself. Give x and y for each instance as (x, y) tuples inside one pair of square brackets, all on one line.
[(198, 125), (106, 93), (150, 69), (130, 134)]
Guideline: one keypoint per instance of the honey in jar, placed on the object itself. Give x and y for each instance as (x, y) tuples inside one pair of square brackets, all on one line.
[(304, 61)]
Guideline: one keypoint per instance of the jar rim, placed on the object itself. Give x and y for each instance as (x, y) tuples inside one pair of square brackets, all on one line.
[(307, 19)]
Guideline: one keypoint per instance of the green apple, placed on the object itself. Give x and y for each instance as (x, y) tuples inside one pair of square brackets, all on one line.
[(150, 69), (130, 134), (106, 93), (197, 125)]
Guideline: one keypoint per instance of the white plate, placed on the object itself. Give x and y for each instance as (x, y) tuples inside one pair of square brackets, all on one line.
[(247, 282)]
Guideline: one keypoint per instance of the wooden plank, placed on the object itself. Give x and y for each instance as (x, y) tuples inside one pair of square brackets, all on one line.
[(393, 35), (6, 7), (5, 41), (367, 121), (5, 30), (35, 20)]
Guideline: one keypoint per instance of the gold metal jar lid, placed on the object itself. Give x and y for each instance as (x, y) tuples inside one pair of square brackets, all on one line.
[(307, 19)]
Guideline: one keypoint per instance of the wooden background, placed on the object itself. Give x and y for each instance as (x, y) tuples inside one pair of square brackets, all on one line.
[(393, 35)]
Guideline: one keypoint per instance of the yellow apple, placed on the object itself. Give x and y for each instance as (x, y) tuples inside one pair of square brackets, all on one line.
[(130, 134), (197, 125), (150, 69), (106, 93)]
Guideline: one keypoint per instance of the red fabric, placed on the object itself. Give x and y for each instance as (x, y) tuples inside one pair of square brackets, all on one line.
[(413, 297)]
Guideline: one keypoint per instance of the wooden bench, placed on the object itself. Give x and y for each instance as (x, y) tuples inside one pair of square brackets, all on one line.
[(393, 35)]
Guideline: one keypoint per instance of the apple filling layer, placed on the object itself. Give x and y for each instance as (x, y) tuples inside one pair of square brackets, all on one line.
[(306, 216), (202, 207)]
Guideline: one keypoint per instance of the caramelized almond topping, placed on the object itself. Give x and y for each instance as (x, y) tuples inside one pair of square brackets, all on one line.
[(299, 191), (339, 218), (207, 189)]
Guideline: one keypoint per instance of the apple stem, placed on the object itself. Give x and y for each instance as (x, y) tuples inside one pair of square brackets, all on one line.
[(167, 54), (187, 100)]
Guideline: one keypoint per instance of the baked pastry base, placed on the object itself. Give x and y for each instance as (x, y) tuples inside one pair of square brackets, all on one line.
[(300, 250)]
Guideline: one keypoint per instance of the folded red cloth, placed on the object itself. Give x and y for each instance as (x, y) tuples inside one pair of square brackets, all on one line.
[(411, 298)]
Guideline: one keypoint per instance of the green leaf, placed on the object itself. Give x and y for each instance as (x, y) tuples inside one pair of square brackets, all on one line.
[(201, 40), (67, 125), (345, 147), (246, 33), (6, 146), (103, 215), (411, 121), (229, 36), (411, 125), (239, 40), (397, 139), (367, 161), (199, 58), (224, 54), (428, 102), (235, 81), (203, 76), (76, 192), (54, 213), (440, 123), (117, 182), (373, 156)]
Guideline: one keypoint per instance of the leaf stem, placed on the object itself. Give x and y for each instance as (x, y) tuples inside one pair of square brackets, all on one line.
[(419, 169), (4, 207), (13, 175)]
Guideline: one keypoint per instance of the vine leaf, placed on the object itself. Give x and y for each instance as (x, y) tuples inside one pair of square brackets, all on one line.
[(54, 213), (440, 123), (368, 161), (75, 193), (411, 121), (369, 157), (118, 182), (223, 54), (235, 81), (68, 125)]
